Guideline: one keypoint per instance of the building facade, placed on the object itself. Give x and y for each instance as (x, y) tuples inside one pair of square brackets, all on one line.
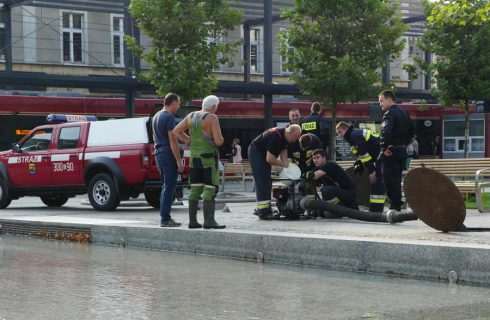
[(85, 42)]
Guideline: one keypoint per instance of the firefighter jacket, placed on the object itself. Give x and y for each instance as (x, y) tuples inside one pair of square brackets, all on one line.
[(397, 128), (365, 145), (316, 124), (272, 140)]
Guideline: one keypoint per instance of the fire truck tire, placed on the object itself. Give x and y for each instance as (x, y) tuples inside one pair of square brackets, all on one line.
[(5, 198), (153, 198), (54, 199), (102, 193)]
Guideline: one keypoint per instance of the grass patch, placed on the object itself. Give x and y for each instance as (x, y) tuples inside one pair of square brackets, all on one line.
[(471, 201)]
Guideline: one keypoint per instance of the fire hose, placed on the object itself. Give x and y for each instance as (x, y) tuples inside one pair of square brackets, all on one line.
[(392, 216)]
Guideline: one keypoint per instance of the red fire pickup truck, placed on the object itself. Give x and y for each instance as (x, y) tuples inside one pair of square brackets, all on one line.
[(110, 160)]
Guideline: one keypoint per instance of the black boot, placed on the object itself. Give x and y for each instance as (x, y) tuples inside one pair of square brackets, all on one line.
[(267, 214), (209, 222), (193, 207)]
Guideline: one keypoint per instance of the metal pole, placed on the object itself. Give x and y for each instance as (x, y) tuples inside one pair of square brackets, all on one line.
[(128, 61), (246, 56), (128, 30), (268, 61), (130, 97), (7, 36)]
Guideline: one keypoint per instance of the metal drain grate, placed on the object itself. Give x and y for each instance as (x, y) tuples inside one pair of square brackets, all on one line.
[(49, 231)]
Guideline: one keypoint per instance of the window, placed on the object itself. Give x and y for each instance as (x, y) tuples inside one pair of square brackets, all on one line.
[(117, 30), (39, 140), (69, 138), (255, 50), (449, 144), (477, 145), (72, 37), (454, 136)]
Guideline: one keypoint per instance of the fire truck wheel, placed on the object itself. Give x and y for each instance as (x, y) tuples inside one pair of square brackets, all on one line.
[(5, 198), (153, 198), (102, 193), (54, 199)]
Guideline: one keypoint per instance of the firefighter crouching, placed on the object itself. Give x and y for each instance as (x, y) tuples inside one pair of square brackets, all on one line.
[(365, 144), (263, 153), (337, 187)]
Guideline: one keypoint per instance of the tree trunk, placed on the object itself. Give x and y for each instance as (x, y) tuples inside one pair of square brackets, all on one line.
[(466, 128), (333, 133)]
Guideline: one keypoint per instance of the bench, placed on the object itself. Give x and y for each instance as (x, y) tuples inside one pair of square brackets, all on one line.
[(345, 164), (469, 175), (248, 175), (232, 172)]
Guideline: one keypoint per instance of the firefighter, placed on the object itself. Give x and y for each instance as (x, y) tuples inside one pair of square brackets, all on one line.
[(263, 153), (308, 143), (365, 145), (316, 124), (396, 133), (337, 186), (294, 151)]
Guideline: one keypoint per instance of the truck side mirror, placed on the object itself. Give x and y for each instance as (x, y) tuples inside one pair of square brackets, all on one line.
[(16, 148)]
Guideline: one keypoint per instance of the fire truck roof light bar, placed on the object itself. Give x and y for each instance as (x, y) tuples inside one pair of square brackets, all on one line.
[(59, 118)]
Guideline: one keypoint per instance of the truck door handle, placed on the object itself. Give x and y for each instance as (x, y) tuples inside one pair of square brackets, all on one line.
[(73, 155)]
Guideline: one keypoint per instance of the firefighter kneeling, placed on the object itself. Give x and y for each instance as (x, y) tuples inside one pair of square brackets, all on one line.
[(337, 186)]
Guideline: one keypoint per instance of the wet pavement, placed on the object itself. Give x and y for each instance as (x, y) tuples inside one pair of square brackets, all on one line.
[(408, 249), (45, 279)]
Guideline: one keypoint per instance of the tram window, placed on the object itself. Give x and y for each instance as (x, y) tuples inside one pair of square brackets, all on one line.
[(478, 144), (39, 140), (69, 138), (449, 144)]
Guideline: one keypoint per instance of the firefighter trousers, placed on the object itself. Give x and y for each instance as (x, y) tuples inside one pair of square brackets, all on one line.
[(261, 172), (336, 195), (392, 173), (377, 197)]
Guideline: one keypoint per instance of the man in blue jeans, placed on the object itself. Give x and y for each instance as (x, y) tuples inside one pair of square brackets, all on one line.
[(167, 155)]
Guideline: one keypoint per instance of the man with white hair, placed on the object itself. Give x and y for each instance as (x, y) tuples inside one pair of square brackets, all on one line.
[(204, 138), (263, 153)]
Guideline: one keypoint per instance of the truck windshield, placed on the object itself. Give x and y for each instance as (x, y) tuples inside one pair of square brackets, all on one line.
[(39, 140)]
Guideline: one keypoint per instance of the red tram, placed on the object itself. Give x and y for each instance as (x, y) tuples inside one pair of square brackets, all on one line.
[(239, 119)]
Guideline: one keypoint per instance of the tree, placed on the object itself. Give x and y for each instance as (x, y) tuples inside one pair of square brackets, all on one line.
[(458, 33), (187, 43), (335, 49)]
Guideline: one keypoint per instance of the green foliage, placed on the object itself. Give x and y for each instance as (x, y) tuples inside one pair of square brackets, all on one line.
[(458, 33), (335, 48), (182, 58)]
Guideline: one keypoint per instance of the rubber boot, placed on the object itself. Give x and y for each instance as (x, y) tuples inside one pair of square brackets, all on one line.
[(193, 207), (208, 210)]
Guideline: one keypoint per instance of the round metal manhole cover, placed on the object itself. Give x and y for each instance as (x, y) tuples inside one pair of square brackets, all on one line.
[(363, 186), (434, 199)]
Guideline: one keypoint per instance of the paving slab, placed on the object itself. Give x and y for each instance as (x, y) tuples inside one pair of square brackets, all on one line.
[(409, 249)]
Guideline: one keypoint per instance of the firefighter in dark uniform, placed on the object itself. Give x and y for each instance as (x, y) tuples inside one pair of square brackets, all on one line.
[(316, 124), (396, 132), (366, 146), (294, 151), (337, 186), (308, 143), (263, 153)]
